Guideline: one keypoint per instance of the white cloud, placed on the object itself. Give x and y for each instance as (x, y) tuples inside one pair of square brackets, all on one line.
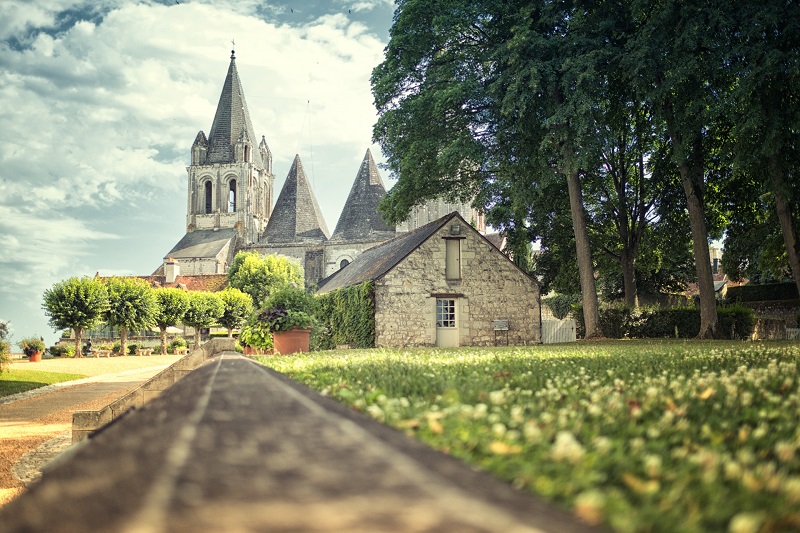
[(102, 100)]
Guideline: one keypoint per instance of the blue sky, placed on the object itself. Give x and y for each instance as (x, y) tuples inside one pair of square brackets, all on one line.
[(102, 99)]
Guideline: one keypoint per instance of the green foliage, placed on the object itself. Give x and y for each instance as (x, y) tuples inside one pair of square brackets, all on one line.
[(256, 335), (205, 309), (5, 347), (618, 322), (31, 345), (177, 342), (260, 276), (237, 307), (655, 436), (289, 307), (561, 304), (347, 316), (132, 305), (171, 305), (77, 304), (759, 293), (62, 350)]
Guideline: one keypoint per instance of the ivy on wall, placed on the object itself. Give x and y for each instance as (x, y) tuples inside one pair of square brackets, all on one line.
[(347, 316)]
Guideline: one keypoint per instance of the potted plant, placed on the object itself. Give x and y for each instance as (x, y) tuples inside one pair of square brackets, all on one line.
[(289, 315), (33, 348)]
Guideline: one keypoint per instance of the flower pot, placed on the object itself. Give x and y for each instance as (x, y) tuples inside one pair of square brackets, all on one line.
[(35, 357), (292, 341)]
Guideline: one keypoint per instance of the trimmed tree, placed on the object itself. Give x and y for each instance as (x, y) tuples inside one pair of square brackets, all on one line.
[(205, 310), (237, 307), (132, 306), (171, 305), (77, 304), (261, 275)]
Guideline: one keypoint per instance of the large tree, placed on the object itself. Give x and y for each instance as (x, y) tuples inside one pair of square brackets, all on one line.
[(132, 307), (205, 310), (237, 306), (171, 305), (765, 104), (78, 304), (261, 275)]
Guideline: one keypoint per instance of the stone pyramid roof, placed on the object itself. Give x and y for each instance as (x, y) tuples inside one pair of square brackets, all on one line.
[(231, 121), (360, 219), (378, 260), (296, 217)]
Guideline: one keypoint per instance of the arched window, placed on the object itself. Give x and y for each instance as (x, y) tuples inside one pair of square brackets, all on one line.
[(232, 197), (344, 263), (208, 198)]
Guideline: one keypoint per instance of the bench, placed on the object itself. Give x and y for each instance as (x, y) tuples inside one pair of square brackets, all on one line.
[(102, 353), (144, 351), (181, 351)]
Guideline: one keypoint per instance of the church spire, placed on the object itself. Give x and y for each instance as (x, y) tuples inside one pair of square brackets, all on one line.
[(360, 219), (297, 217), (231, 121)]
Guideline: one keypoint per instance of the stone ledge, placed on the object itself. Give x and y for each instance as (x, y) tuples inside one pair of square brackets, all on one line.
[(84, 423)]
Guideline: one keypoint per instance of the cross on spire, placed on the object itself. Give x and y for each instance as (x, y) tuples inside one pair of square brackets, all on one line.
[(233, 49)]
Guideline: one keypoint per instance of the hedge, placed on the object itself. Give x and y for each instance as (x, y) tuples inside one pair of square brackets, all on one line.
[(760, 293), (617, 322), (347, 317)]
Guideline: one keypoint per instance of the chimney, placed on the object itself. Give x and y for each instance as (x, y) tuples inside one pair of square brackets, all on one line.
[(171, 270)]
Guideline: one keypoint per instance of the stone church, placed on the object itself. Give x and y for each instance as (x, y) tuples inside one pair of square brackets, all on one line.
[(230, 203)]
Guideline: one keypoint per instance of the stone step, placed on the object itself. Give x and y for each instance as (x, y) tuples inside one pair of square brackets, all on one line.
[(234, 446)]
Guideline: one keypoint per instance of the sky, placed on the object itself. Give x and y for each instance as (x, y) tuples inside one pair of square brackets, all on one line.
[(102, 99)]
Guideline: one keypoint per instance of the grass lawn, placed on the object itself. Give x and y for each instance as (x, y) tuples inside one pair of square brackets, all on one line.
[(14, 381), (637, 435), (24, 375)]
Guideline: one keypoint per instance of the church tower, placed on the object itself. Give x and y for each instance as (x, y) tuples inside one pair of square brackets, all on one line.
[(230, 176)]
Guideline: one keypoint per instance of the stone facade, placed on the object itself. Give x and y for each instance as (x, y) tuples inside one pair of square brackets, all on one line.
[(444, 284), (491, 288)]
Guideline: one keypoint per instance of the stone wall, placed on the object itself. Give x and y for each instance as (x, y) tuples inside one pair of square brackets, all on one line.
[(491, 288)]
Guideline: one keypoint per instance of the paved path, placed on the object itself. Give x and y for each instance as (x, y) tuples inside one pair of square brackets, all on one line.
[(234, 446), (35, 425)]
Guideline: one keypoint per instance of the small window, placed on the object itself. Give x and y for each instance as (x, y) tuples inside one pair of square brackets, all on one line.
[(344, 263), (232, 197), (246, 153), (453, 258), (208, 198), (445, 313)]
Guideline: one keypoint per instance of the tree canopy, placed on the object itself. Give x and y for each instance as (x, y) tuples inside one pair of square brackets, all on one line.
[(204, 310), (77, 304), (261, 275), (132, 306), (171, 305)]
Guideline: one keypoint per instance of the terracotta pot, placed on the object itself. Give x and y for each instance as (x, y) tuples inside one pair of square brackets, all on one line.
[(35, 357), (292, 341)]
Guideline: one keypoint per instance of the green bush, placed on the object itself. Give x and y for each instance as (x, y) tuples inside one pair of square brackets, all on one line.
[(177, 342), (561, 304), (31, 345), (347, 317), (760, 293), (5, 348), (62, 350)]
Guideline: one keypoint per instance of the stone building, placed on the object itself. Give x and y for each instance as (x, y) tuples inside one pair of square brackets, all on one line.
[(230, 203), (444, 284)]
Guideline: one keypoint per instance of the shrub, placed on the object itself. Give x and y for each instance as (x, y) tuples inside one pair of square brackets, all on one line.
[(287, 308), (760, 293), (561, 304), (177, 342), (132, 347), (347, 316), (5, 348), (62, 350), (31, 345)]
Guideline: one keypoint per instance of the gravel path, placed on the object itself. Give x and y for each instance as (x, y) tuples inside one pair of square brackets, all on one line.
[(35, 426)]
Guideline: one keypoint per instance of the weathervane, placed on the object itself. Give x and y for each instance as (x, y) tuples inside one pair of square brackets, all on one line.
[(233, 48)]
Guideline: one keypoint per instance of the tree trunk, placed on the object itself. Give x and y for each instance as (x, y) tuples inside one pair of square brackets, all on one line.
[(163, 339), (230, 333), (627, 263), (585, 268), (78, 335), (123, 341), (785, 219)]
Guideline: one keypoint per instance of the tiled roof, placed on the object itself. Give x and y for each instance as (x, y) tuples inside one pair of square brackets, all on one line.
[(360, 219), (378, 260), (231, 122), (202, 243), (206, 282), (296, 216), (497, 239)]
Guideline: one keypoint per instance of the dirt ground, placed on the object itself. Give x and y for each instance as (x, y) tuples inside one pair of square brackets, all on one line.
[(36, 418)]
